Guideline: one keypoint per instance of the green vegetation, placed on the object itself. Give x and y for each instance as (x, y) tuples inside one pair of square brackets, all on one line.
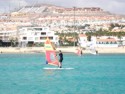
[(68, 39), (106, 33), (38, 44), (115, 25)]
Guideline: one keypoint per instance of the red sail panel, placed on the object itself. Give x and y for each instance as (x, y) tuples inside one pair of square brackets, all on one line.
[(51, 57)]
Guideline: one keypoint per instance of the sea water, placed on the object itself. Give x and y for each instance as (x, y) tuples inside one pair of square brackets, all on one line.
[(92, 74)]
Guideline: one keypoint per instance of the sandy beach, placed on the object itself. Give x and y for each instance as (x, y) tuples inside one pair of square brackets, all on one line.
[(64, 49)]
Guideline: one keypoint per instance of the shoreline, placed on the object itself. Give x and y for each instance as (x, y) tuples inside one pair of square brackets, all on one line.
[(63, 49)]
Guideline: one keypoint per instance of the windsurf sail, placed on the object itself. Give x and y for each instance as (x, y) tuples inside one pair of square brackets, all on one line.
[(50, 53), (92, 48), (79, 51)]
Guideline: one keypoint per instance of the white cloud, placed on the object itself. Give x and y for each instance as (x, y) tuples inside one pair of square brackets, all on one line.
[(18, 3), (116, 7)]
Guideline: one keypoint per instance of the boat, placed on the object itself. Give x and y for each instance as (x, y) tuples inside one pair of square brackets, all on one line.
[(50, 53)]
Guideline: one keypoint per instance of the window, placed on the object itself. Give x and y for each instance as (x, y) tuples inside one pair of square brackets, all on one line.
[(24, 38), (42, 38), (36, 38), (38, 29), (30, 29), (43, 33), (107, 42), (35, 33), (50, 37)]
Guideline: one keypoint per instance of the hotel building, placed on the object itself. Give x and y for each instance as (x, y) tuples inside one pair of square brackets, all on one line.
[(29, 34)]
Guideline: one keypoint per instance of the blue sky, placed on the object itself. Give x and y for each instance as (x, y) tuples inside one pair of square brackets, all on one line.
[(114, 6)]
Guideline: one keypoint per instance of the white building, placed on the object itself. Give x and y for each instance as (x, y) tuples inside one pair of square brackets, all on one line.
[(83, 40), (103, 41), (6, 36), (36, 35), (108, 42)]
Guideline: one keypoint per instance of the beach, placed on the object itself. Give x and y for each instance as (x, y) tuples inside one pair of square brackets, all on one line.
[(64, 49)]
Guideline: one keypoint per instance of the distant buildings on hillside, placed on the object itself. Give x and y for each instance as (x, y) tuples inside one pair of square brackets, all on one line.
[(57, 19)]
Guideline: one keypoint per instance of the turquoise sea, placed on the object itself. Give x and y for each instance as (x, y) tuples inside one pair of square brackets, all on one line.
[(93, 74)]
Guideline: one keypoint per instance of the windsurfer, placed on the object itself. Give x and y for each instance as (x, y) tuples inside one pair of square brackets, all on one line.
[(79, 51), (60, 58)]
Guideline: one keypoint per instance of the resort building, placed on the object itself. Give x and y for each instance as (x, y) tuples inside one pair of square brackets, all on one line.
[(108, 42), (102, 41), (32, 35), (7, 33), (82, 40)]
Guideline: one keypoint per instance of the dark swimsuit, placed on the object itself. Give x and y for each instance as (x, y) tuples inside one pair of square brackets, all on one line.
[(61, 57)]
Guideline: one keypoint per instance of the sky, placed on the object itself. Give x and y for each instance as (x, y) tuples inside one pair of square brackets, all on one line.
[(113, 6)]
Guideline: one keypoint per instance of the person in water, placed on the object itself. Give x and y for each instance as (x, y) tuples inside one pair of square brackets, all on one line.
[(60, 58), (79, 51)]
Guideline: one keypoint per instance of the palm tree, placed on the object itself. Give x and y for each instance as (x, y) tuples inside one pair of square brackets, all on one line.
[(13, 40)]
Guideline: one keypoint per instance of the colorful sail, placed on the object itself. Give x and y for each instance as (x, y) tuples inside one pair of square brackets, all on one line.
[(79, 51), (50, 53)]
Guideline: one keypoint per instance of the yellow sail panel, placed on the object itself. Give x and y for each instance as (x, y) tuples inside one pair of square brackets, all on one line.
[(48, 45), (50, 52)]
